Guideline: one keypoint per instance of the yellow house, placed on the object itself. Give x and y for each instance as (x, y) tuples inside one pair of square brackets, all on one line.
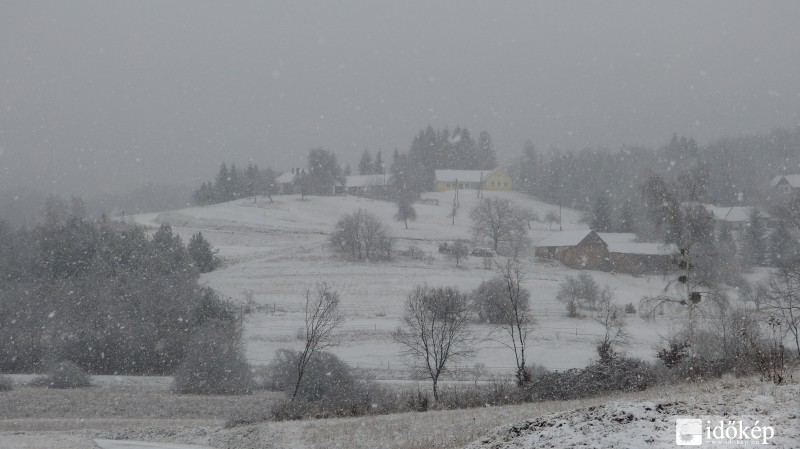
[(496, 179)]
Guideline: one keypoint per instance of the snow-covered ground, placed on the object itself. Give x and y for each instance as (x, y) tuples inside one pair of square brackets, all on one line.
[(127, 444), (769, 415), (624, 420), (274, 251)]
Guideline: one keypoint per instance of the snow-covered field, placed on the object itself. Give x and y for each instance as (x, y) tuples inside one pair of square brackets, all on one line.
[(274, 251), (624, 420)]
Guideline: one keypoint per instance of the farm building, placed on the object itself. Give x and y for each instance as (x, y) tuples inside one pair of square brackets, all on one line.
[(362, 185), (616, 252), (786, 184), (287, 181), (496, 179), (738, 217), (576, 249), (638, 258)]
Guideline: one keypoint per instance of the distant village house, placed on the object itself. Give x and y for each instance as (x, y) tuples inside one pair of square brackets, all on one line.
[(287, 182), (786, 184), (496, 179), (373, 186)]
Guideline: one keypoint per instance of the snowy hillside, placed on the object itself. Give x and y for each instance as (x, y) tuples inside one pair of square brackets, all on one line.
[(652, 424), (274, 251)]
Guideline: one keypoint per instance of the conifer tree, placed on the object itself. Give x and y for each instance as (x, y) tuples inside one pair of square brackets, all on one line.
[(755, 248), (365, 165), (377, 166), (201, 254), (601, 216)]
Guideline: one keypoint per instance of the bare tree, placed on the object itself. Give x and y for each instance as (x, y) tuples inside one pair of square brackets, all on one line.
[(405, 209), (578, 291), (685, 291), (458, 250), (435, 330), (363, 235), (530, 216), (517, 319), (784, 299), (322, 318), (612, 318), (551, 218), (498, 221)]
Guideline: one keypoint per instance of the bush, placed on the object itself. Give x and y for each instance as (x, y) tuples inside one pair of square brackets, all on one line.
[(629, 309), (6, 384), (326, 376), (617, 374), (481, 251), (414, 252), (63, 375), (329, 388), (214, 363)]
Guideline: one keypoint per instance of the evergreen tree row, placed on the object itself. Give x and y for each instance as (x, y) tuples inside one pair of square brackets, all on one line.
[(102, 294), (442, 149), (369, 166), (231, 183)]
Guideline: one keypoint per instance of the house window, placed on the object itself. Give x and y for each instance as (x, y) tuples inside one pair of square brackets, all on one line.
[(785, 188)]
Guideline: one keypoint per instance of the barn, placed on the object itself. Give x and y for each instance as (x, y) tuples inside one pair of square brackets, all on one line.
[(576, 249), (638, 258), (615, 252)]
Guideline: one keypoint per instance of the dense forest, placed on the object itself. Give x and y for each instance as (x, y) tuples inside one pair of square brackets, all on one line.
[(101, 293)]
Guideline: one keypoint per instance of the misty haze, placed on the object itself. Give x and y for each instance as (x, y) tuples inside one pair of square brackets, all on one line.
[(399, 224)]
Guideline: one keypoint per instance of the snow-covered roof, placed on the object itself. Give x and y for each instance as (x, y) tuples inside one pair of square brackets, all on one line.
[(564, 238), (736, 214), (793, 180), (617, 237), (462, 175), (650, 249), (285, 178), (365, 180)]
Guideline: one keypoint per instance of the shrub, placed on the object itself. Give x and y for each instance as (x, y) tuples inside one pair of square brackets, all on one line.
[(326, 375), (63, 375), (629, 309), (414, 252), (617, 374), (329, 388), (6, 384), (481, 251), (214, 362)]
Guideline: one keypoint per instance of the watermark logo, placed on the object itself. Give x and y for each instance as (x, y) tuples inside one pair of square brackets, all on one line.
[(721, 432), (689, 432)]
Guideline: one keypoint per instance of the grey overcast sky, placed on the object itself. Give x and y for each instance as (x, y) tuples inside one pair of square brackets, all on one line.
[(108, 95)]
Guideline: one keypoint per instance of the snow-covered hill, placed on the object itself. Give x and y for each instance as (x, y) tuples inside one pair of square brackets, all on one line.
[(652, 424), (274, 251)]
